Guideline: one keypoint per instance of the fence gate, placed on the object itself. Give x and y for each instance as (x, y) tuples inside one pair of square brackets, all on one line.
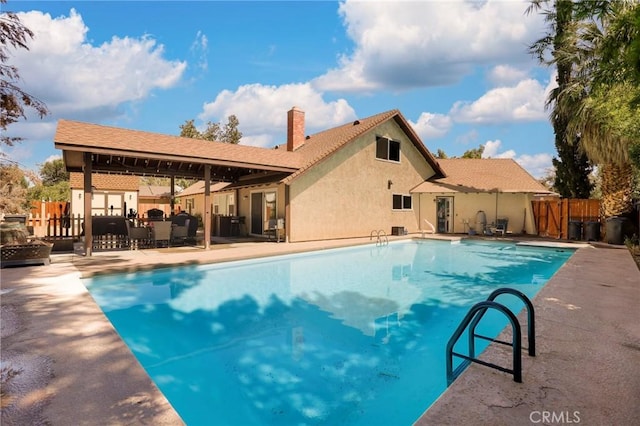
[(554, 217)]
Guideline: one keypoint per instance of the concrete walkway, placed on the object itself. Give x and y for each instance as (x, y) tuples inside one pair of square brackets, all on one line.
[(63, 363), (587, 364)]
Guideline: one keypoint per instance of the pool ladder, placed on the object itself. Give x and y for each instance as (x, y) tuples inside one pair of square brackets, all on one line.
[(381, 237), (472, 319)]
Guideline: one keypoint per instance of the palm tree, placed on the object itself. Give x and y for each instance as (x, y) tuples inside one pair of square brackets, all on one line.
[(572, 167), (604, 101), (600, 97)]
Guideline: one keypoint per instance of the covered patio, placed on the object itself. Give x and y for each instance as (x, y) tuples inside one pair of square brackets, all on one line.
[(91, 148)]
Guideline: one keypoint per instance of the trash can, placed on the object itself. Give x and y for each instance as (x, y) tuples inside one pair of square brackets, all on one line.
[(592, 231), (575, 230), (614, 230)]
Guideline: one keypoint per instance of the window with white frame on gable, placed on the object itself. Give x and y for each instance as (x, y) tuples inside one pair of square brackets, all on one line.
[(402, 202), (387, 149)]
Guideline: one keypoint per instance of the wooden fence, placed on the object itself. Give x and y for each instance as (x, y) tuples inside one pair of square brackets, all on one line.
[(567, 218)]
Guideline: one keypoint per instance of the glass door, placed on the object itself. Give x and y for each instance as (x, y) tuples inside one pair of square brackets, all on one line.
[(256, 213), (443, 210), (263, 211)]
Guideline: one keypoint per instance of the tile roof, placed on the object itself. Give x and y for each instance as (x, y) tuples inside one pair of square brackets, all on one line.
[(79, 136), (157, 191), (111, 142), (106, 182), (323, 144), (198, 188), (483, 175)]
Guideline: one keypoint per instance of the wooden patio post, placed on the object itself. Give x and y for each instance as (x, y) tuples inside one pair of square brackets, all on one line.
[(88, 229), (207, 207), (172, 201)]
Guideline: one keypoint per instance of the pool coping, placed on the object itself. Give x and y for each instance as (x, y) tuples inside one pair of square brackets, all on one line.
[(85, 374)]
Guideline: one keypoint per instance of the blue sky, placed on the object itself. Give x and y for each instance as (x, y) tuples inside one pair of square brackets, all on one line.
[(459, 71)]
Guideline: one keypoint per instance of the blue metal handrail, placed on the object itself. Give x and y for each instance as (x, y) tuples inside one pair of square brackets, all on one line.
[(481, 308), (531, 326)]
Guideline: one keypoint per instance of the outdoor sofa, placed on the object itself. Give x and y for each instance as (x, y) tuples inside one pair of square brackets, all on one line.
[(17, 248)]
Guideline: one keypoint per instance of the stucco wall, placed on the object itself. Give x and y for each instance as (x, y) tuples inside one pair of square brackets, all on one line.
[(466, 206), (347, 194), (101, 203)]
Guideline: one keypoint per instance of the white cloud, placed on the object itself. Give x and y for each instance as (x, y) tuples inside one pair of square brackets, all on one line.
[(423, 43), (491, 150), (537, 165), (469, 137), (502, 75), (431, 126), (200, 49), (523, 102), (79, 79), (262, 109)]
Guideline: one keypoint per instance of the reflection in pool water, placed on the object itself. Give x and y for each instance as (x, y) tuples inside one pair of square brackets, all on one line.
[(345, 336)]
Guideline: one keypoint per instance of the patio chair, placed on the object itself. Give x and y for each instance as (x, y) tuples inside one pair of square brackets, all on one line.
[(501, 226), (161, 233), (275, 228), (180, 233), (138, 235), (184, 222)]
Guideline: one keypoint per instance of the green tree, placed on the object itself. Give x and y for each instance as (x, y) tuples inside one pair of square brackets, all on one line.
[(228, 133), (441, 154), (53, 171), (13, 99), (474, 153), (602, 101), (558, 48), (57, 192), (52, 184), (188, 130)]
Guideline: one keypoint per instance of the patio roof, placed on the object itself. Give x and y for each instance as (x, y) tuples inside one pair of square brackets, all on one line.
[(124, 151)]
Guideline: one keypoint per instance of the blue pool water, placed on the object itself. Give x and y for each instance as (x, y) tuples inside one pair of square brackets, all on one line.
[(352, 336)]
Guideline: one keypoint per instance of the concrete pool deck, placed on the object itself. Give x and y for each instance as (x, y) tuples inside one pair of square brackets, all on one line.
[(63, 363)]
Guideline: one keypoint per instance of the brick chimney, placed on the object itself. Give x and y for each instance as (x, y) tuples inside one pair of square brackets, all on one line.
[(295, 128)]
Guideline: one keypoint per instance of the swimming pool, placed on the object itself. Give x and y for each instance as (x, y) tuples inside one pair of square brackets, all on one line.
[(351, 336)]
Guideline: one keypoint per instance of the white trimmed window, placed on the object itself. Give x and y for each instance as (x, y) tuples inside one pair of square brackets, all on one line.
[(402, 202), (387, 149)]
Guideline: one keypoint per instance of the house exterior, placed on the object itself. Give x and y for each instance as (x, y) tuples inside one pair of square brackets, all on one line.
[(370, 175), (112, 195), (117, 195), (491, 188), (154, 197), (364, 177)]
